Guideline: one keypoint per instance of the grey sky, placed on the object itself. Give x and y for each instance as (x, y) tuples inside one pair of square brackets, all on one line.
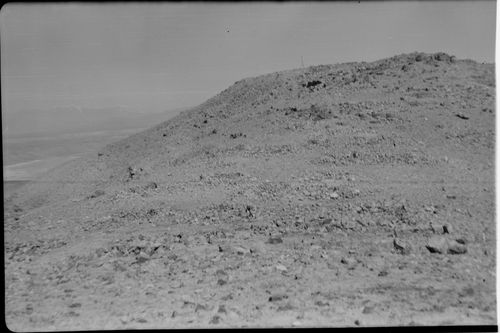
[(153, 56)]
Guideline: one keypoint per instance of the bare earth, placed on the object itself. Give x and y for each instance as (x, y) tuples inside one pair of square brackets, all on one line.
[(356, 194)]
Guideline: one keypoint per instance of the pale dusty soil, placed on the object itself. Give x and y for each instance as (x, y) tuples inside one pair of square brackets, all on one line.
[(320, 215)]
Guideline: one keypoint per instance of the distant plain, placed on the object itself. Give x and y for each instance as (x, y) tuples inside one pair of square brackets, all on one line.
[(27, 155)]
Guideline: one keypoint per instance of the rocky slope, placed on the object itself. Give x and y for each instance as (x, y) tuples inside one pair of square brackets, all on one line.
[(335, 195)]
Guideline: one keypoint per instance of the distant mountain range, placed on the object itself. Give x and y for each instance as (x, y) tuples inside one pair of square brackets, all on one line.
[(72, 119)]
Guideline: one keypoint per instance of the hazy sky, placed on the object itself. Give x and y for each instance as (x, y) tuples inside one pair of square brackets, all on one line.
[(154, 56)]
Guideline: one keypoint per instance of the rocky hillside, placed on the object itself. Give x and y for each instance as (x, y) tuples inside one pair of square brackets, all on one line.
[(263, 200)]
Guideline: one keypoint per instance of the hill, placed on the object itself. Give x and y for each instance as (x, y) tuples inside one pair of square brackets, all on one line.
[(256, 207)]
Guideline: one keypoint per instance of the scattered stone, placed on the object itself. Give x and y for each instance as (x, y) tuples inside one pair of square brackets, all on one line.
[(281, 268), (275, 240), (466, 291), (141, 320), (142, 258), (222, 277), (100, 252), (75, 305), (322, 303), (325, 222), (286, 307), (431, 209), (401, 246), (441, 228), (437, 244), (215, 320), (455, 247), (316, 247), (349, 262), (334, 195), (368, 309), (151, 186), (222, 309), (221, 273), (200, 307), (96, 194), (241, 250)]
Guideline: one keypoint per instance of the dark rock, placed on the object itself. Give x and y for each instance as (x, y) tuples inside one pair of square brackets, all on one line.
[(277, 297), (311, 83), (222, 309), (215, 320), (383, 273)]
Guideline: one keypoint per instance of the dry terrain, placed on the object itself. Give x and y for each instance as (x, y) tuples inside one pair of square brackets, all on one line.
[(355, 194)]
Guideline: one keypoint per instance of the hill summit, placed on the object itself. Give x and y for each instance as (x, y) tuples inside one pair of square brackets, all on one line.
[(266, 198)]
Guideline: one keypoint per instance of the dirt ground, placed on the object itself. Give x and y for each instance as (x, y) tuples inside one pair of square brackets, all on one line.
[(359, 194)]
